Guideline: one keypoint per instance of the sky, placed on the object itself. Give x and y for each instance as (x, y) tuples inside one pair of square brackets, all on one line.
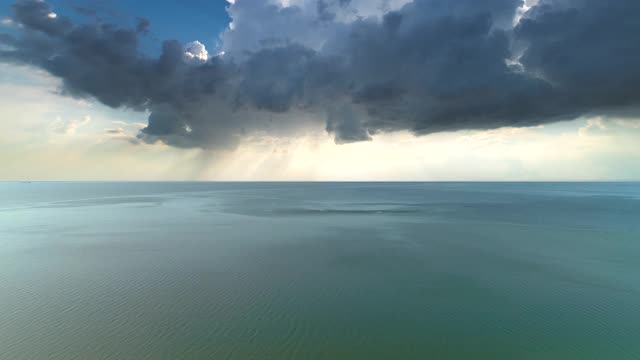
[(320, 90)]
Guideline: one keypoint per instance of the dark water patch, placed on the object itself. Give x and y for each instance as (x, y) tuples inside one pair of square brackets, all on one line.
[(362, 211), (131, 201)]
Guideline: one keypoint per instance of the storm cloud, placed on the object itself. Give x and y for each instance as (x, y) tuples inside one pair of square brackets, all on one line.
[(349, 67)]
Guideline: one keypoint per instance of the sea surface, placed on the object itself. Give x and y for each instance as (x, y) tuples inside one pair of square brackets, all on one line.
[(320, 271)]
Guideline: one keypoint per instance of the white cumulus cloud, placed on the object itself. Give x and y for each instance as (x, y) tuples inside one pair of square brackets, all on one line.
[(195, 51)]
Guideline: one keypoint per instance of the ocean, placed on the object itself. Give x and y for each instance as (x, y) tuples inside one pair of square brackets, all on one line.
[(112, 270)]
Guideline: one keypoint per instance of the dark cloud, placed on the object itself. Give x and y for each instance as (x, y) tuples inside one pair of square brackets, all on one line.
[(419, 70), (275, 78), (589, 50), (39, 16), (86, 11), (142, 25), (324, 11), (7, 39), (428, 66), (346, 125)]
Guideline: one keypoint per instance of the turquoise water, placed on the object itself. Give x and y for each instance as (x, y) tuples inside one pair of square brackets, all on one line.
[(320, 270)]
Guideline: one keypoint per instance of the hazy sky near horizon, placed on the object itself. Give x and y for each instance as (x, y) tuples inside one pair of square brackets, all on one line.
[(319, 90)]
